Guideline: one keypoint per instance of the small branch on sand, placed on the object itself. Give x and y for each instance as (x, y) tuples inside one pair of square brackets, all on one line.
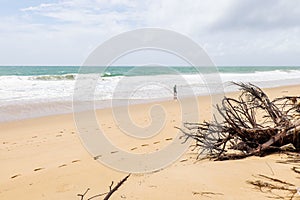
[(107, 194), (275, 187), (251, 124), (82, 195), (206, 193), (112, 190), (276, 180)]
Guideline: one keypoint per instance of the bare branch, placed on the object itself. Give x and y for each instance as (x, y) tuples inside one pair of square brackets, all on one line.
[(109, 193), (252, 124), (82, 195), (112, 190)]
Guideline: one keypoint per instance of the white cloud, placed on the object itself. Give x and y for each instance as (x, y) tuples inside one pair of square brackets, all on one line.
[(88, 11), (232, 31), (39, 7), (261, 15)]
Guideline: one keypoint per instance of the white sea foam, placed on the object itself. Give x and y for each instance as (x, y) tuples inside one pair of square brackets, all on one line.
[(31, 96)]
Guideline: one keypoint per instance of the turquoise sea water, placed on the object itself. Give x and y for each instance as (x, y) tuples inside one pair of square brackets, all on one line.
[(133, 71), (32, 91)]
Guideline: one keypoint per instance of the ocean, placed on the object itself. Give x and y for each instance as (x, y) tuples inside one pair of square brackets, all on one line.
[(33, 91)]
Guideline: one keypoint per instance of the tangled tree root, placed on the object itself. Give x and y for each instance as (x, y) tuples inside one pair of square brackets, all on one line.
[(252, 124)]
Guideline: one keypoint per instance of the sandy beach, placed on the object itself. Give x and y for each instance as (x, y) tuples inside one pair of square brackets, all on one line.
[(43, 158)]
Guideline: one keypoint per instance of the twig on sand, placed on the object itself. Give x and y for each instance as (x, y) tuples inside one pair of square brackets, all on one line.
[(82, 195), (207, 193), (112, 190), (274, 186), (107, 194)]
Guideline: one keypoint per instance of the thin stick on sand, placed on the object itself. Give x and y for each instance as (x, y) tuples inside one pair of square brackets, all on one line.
[(109, 193)]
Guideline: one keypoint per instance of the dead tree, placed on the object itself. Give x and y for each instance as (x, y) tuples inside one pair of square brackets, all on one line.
[(251, 124)]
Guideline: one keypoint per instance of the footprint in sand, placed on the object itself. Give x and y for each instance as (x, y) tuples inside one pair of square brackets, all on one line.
[(167, 139), (64, 165), (156, 142), (97, 157), (75, 161), (34, 136), (38, 169), (58, 135), (15, 176), (134, 148), (64, 187)]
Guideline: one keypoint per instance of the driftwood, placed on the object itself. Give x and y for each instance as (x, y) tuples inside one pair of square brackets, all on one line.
[(107, 194), (252, 124)]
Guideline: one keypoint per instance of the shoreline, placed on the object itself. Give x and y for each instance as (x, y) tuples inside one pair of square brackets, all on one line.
[(17, 112), (43, 158)]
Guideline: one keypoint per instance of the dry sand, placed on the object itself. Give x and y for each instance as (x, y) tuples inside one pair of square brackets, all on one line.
[(43, 158)]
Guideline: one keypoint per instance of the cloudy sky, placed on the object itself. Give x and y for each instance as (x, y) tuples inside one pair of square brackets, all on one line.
[(233, 32)]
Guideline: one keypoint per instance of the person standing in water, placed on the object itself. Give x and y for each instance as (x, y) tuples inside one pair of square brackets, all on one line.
[(175, 92)]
